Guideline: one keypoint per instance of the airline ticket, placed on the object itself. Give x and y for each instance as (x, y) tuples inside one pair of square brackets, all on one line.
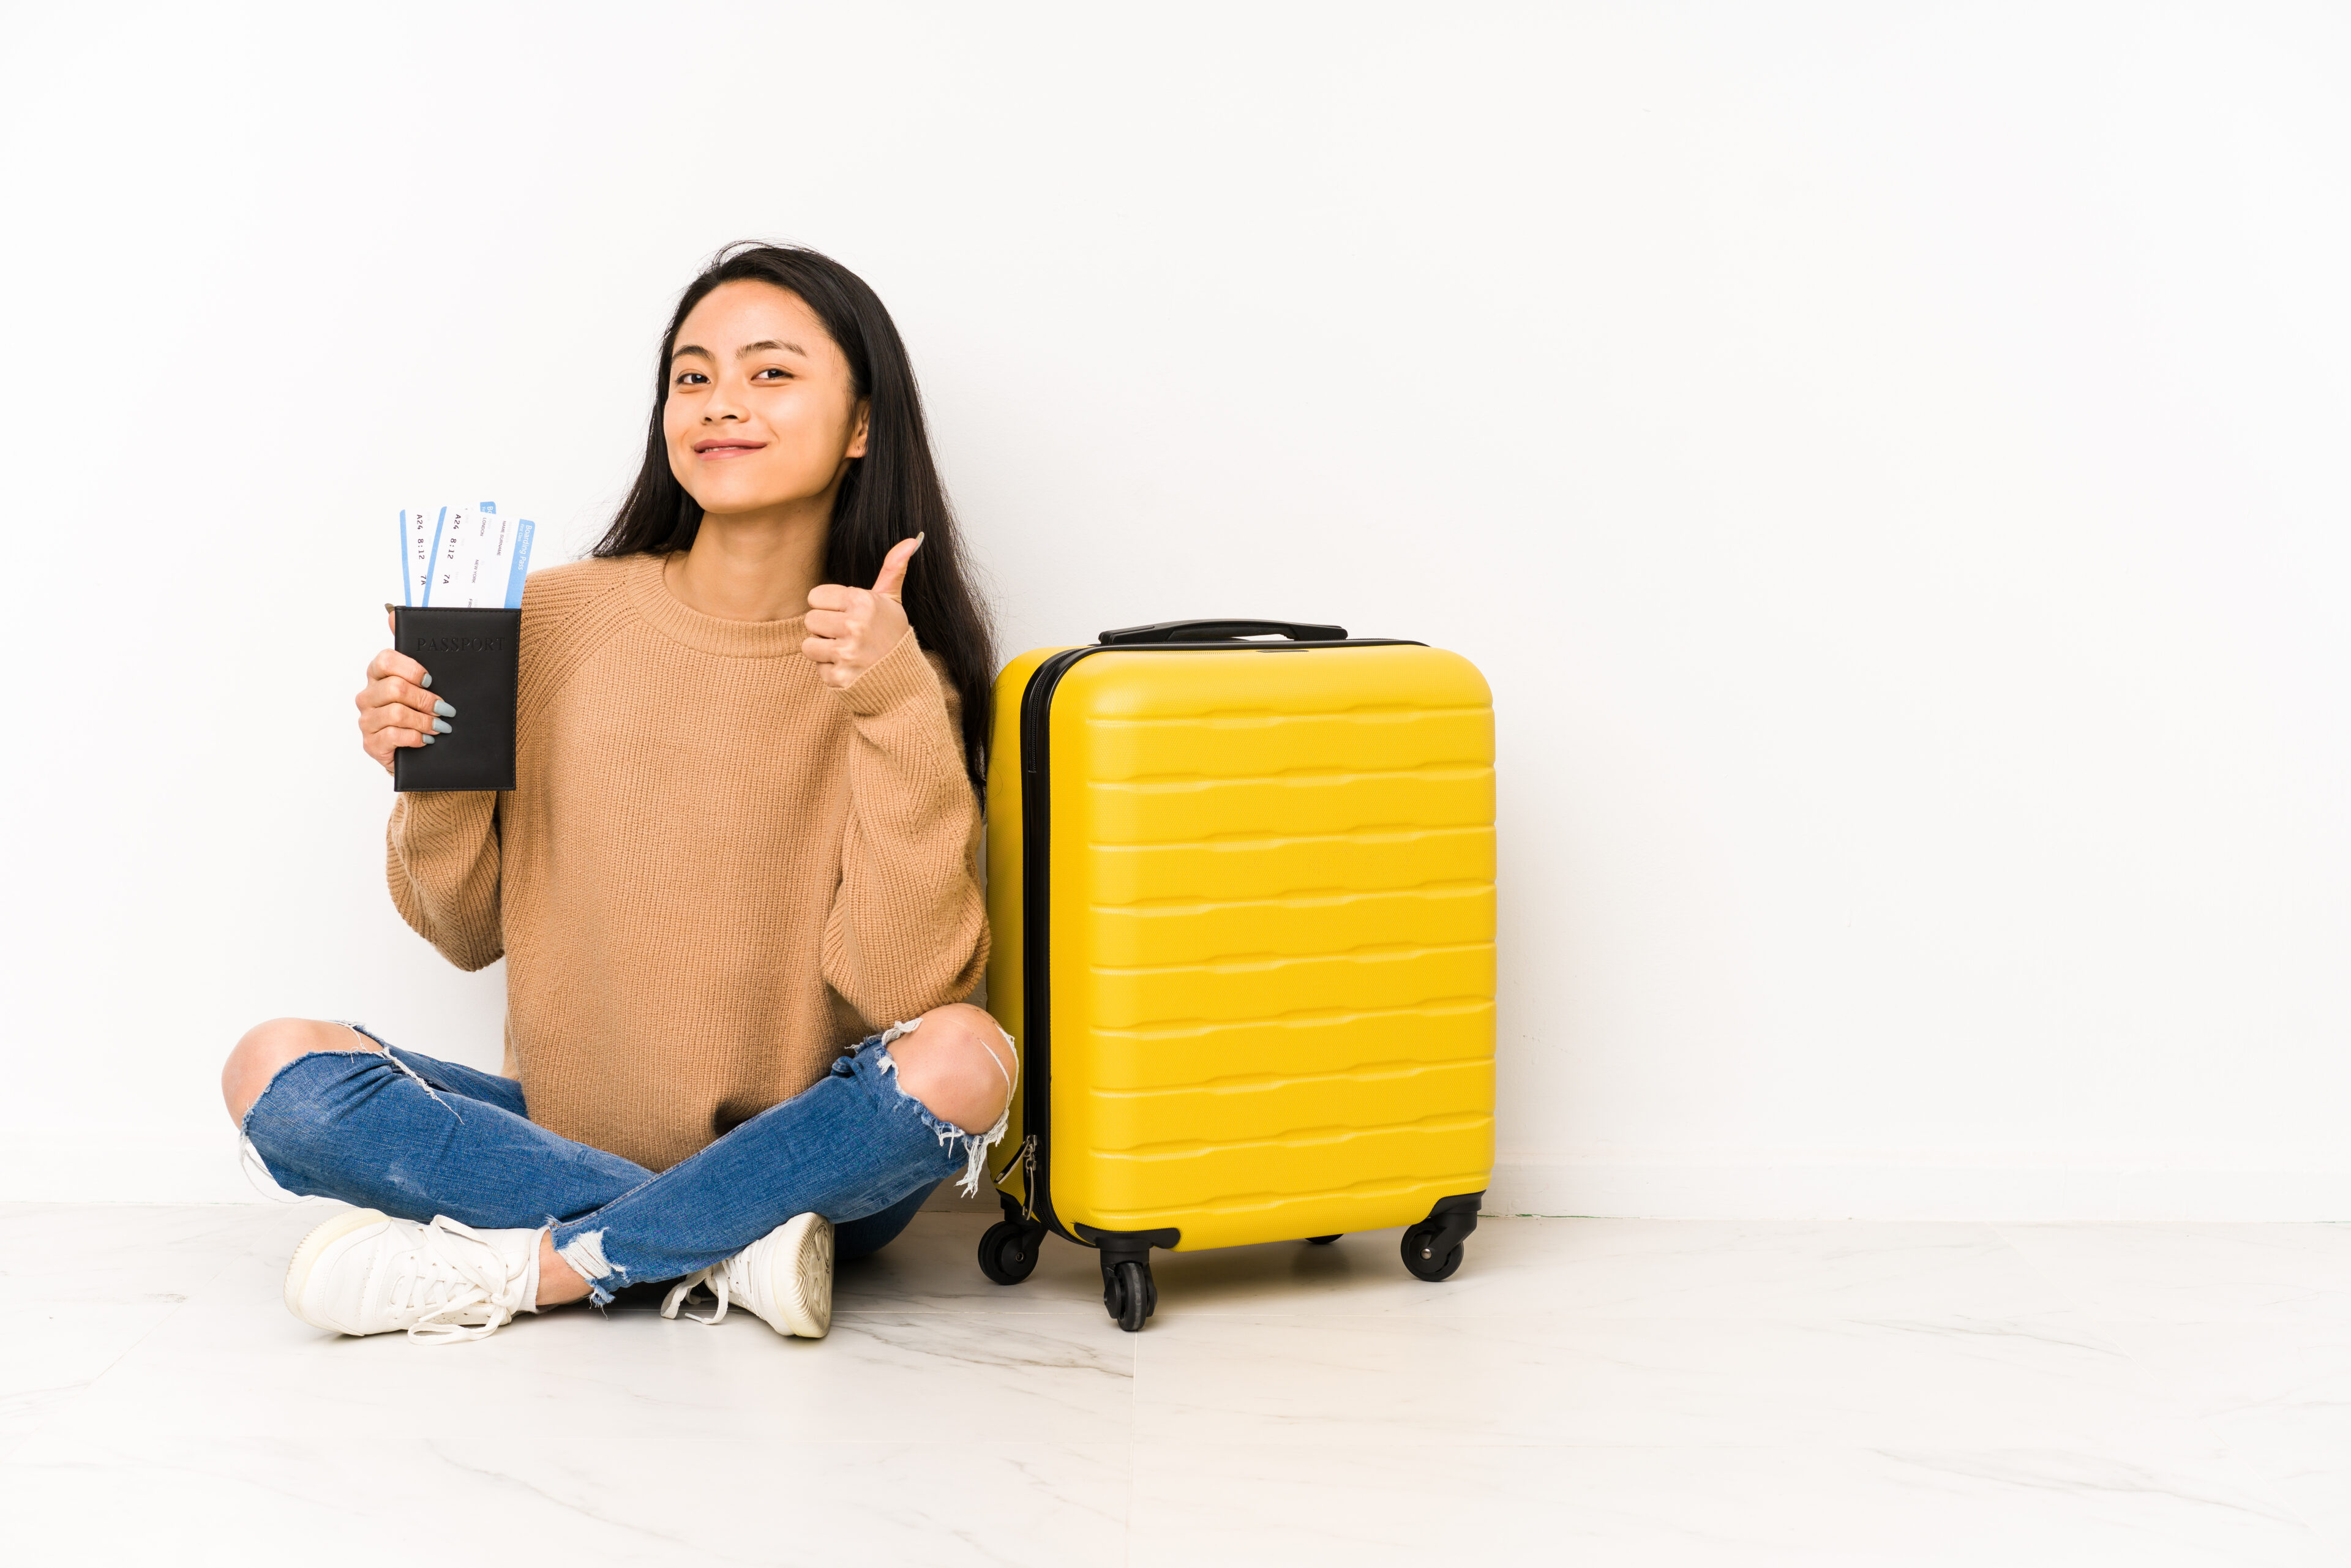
[(464, 557)]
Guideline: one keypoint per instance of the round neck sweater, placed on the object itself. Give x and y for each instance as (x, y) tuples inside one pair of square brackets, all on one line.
[(714, 870)]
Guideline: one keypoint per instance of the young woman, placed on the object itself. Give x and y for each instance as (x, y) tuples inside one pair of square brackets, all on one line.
[(743, 831)]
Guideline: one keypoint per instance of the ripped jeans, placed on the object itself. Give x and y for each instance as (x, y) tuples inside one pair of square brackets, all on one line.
[(416, 1137)]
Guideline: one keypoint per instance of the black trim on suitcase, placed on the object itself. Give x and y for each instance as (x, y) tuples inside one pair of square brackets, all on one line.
[(1036, 709), (1035, 865)]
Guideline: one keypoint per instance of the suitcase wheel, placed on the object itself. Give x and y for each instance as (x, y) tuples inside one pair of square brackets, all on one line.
[(1007, 1253), (1324, 1240), (1128, 1294), (1420, 1254)]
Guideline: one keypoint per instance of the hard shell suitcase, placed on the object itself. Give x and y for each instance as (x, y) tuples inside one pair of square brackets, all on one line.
[(1242, 895)]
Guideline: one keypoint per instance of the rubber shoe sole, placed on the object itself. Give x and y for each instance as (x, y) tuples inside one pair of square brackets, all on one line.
[(314, 1247), (801, 1285)]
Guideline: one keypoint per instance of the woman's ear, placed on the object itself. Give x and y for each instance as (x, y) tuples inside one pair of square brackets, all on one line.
[(857, 428)]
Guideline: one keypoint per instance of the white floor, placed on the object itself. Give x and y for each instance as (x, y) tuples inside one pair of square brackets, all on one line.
[(1586, 1391)]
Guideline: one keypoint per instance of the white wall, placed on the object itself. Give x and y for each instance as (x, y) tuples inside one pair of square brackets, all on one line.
[(1890, 461)]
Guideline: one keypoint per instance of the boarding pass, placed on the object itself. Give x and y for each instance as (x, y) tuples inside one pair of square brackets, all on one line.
[(464, 557)]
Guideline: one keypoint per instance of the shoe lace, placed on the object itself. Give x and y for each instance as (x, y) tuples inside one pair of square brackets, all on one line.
[(714, 1280), (457, 1280)]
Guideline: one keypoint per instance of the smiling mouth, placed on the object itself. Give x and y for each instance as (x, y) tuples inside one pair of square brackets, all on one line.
[(727, 448)]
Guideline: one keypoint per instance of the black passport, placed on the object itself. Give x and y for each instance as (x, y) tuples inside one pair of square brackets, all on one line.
[(472, 657)]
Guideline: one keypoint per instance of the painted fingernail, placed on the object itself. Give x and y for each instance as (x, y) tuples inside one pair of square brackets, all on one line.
[(431, 738), (443, 709), (440, 726), (428, 680)]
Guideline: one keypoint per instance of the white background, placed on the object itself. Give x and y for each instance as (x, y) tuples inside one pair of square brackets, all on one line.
[(1889, 460)]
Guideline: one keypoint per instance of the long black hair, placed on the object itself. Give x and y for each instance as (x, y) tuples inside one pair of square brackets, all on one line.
[(892, 493)]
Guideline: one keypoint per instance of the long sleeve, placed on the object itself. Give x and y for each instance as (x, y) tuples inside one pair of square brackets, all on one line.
[(908, 926), (442, 861)]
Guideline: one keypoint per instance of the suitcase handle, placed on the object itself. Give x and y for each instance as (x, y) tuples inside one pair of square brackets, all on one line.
[(1220, 631)]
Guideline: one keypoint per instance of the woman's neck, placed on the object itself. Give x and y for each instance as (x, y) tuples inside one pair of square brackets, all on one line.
[(754, 567)]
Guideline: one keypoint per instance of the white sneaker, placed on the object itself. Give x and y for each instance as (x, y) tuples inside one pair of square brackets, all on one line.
[(785, 1277), (365, 1272)]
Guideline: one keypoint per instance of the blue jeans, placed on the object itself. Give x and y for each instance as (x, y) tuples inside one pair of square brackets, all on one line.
[(416, 1137)]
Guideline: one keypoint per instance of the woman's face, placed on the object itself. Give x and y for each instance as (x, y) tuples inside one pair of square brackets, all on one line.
[(761, 412)]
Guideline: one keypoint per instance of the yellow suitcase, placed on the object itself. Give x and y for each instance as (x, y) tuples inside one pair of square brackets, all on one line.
[(1242, 894)]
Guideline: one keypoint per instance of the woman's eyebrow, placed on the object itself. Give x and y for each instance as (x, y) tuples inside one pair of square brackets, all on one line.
[(684, 349)]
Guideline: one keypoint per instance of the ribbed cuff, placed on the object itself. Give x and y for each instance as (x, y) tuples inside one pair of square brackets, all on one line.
[(437, 813), (900, 676)]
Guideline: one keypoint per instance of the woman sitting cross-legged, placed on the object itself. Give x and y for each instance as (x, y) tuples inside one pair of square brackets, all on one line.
[(743, 831)]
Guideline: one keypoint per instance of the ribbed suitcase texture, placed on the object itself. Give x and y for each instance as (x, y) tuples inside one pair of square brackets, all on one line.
[(1268, 935)]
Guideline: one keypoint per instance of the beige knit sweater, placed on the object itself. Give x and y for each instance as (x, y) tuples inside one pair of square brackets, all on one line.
[(713, 871)]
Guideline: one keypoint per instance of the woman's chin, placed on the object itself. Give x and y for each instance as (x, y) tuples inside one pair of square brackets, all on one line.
[(748, 502)]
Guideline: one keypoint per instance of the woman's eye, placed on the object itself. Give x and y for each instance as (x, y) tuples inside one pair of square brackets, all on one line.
[(692, 378), (774, 370)]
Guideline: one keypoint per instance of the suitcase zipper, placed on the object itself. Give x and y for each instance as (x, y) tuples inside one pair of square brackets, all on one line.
[(1025, 1156)]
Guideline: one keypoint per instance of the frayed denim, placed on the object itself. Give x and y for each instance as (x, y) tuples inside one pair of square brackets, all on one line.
[(418, 1138)]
